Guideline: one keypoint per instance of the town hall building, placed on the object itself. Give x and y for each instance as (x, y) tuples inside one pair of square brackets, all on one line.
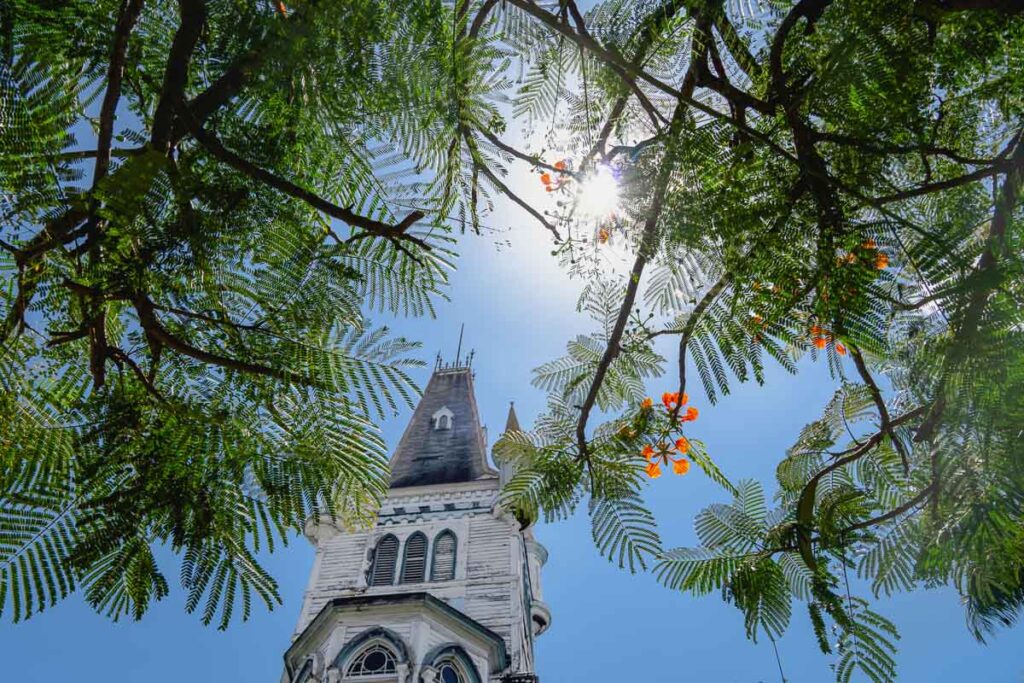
[(445, 588)]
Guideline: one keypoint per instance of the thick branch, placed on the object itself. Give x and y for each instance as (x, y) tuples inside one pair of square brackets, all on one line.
[(882, 147), (810, 10), (157, 333), (129, 15), (930, 188), (397, 231), (193, 16)]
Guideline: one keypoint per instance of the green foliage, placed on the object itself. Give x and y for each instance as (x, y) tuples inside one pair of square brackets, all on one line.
[(186, 357), (804, 181)]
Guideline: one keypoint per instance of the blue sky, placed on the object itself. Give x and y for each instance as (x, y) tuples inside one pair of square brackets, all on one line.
[(608, 626)]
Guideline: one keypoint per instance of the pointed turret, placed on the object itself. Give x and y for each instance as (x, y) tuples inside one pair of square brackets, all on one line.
[(512, 423), (444, 442)]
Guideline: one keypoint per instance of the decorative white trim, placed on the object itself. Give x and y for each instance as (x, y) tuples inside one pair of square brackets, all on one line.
[(443, 419)]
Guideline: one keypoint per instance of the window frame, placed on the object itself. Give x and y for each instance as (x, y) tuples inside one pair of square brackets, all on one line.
[(366, 649), (404, 578), (375, 564), (455, 555)]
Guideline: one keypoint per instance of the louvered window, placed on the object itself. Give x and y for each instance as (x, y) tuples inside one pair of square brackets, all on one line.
[(443, 566), (414, 562), (384, 559)]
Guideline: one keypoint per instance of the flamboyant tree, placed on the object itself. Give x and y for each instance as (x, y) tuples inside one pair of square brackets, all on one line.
[(204, 200)]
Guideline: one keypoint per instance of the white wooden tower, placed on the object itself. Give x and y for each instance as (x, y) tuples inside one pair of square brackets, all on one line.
[(446, 587)]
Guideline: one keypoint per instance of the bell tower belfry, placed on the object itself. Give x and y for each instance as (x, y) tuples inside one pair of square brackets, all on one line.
[(445, 588)]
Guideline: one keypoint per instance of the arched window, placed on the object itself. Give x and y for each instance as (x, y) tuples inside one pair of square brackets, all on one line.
[(442, 567), (375, 660), (452, 664), (376, 655), (384, 558), (449, 672), (414, 562)]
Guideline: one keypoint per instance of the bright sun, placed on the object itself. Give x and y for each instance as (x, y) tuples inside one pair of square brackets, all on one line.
[(599, 193)]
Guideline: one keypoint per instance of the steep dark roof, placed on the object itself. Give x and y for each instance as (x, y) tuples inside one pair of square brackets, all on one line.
[(426, 455)]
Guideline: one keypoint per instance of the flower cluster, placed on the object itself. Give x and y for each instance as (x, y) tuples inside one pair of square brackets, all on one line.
[(867, 252), (554, 182), (663, 450), (821, 337), (661, 455)]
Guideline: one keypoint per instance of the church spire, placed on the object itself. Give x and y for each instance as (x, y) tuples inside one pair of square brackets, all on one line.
[(444, 442), (512, 423)]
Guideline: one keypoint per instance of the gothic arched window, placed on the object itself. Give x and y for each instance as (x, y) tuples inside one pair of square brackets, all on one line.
[(451, 664), (442, 567), (384, 558), (449, 672), (414, 562), (376, 660)]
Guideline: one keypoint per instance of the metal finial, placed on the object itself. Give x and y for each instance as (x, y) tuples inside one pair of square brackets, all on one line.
[(458, 351)]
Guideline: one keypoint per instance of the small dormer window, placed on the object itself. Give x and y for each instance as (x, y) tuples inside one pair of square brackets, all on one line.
[(442, 419)]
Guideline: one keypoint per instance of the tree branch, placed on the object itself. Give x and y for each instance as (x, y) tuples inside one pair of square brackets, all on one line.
[(648, 243), (895, 512), (396, 231), (805, 504), (127, 18), (156, 332), (193, 17), (986, 270), (883, 411)]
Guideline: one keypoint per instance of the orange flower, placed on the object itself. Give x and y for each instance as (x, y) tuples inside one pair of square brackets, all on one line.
[(646, 403), (282, 9), (681, 466), (549, 189), (757, 319), (816, 331), (850, 257), (671, 400), (602, 235), (653, 470), (820, 342), (840, 349), (560, 165), (869, 244), (647, 452), (683, 445), (881, 261), (691, 415)]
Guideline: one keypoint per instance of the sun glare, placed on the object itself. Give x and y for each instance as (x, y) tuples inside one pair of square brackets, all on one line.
[(599, 193)]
